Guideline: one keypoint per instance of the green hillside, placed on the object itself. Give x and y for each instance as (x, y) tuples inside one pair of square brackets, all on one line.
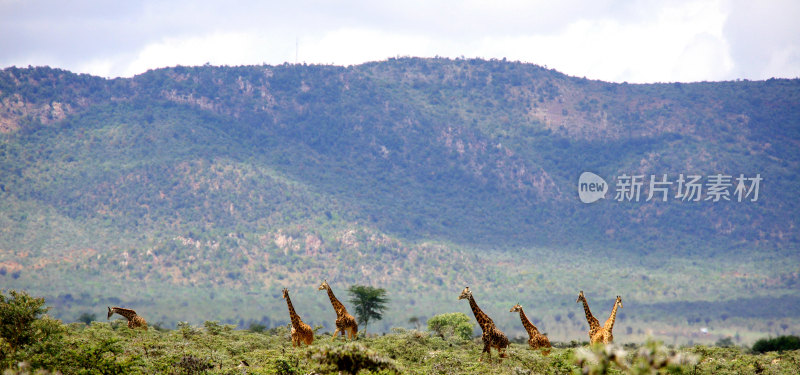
[(198, 193)]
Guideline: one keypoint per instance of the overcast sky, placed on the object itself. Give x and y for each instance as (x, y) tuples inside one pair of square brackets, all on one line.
[(634, 41)]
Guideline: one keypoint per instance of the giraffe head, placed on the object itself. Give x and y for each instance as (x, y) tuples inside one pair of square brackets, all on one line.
[(580, 297), (110, 312), (285, 293), (516, 308), (619, 301), (465, 294), (324, 285)]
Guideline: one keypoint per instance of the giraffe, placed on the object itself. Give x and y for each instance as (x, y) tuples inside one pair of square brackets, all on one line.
[(492, 336), (134, 321), (344, 321), (604, 334), (536, 340), (594, 325), (300, 331)]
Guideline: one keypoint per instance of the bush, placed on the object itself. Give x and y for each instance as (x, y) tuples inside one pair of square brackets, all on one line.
[(87, 318), (352, 358), (780, 343), (190, 364), (18, 312), (102, 357), (725, 342), (451, 325), (257, 327), (286, 365), (28, 336)]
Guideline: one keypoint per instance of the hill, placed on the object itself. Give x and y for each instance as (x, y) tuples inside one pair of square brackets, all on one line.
[(198, 193)]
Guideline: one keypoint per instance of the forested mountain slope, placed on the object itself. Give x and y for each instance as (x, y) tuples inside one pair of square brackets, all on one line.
[(189, 184)]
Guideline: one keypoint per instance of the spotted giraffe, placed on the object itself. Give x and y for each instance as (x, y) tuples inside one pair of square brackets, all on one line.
[(344, 321), (301, 332), (492, 336), (604, 334), (134, 321), (594, 324), (536, 340)]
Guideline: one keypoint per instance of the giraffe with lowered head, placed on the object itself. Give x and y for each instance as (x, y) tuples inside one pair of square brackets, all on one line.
[(604, 334), (594, 324), (492, 336), (301, 332), (536, 340), (344, 321), (134, 320)]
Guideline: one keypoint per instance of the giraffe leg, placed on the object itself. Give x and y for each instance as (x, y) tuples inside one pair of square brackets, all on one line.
[(486, 349), (335, 333)]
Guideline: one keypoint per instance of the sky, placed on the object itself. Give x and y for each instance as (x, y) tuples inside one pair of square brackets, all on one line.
[(619, 41)]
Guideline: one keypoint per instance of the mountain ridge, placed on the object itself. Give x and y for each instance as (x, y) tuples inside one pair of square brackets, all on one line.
[(249, 178)]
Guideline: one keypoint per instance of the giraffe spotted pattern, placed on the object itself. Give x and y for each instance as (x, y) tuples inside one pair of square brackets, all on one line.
[(134, 320), (344, 321), (301, 332), (492, 337)]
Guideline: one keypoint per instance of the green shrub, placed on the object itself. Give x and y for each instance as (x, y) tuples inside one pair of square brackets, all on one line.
[(780, 344), (725, 342), (451, 325), (352, 358), (101, 357), (257, 327), (190, 364), (26, 335), (18, 312), (87, 317), (212, 327), (286, 365)]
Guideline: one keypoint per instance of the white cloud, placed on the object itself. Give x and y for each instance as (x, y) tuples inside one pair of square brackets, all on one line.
[(677, 44), (219, 48), (764, 37), (640, 41), (353, 46)]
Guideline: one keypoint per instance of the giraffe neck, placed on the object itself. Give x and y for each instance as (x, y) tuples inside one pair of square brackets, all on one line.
[(128, 314), (613, 316), (589, 317), (483, 319), (292, 314), (340, 309), (529, 327)]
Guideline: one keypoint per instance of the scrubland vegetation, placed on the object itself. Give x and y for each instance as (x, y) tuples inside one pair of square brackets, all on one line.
[(32, 342)]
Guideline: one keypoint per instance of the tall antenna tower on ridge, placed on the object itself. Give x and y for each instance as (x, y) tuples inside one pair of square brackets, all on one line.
[(296, 48)]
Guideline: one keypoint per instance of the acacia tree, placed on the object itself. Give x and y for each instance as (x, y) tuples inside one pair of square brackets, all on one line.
[(370, 303)]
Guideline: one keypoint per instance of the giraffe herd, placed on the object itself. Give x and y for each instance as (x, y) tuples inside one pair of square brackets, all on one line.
[(492, 336)]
